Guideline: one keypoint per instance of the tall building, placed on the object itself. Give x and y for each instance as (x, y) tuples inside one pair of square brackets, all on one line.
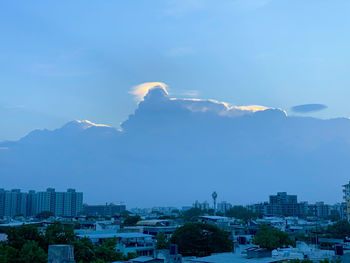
[(283, 204), (346, 192), (322, 209), (43, 202), (15, 202), (201, 206), (223, 207), (2, 202), (73, 203), (59, 204), (31, 203)]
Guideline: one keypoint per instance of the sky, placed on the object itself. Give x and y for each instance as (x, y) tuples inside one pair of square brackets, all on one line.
[(67, 60)]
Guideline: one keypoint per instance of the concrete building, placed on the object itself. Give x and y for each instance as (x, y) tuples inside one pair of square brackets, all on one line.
[(43, 202), (2, 202), (15, 202), (223, 207), (68, 203), (156, 226), (283, 204), (201, 206), (346, 191), (61, 254), (141, 244), (31, 203), (322, 209)]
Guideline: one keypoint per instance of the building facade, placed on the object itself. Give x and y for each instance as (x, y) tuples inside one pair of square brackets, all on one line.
[(223, 207), (15, 202), (346, 191)]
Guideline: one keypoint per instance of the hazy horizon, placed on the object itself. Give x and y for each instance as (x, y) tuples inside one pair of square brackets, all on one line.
[(176, 99)]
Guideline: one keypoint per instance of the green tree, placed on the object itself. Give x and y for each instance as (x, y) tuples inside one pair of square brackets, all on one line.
[(271, 238), (18, 236), (59, 234), (333, 261), (131, 220), (341, 229), (162, 241), (240, 212), (333, 218), (106, 251), (83, 250), (197, 239), (31, 252), (8, 254), (191, 215)]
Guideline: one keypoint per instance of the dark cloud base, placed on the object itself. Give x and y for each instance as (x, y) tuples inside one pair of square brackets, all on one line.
[(307, 108)]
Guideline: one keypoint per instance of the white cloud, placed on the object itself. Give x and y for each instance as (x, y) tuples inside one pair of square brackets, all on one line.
[(192, 104), (85, 124), (141, 90)]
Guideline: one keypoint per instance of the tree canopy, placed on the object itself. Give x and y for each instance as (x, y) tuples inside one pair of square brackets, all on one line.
[(271, 238), (162, 241), (131, 220), (191, 215), (197, 239), (341, 229), (240, 212), (25, 244)]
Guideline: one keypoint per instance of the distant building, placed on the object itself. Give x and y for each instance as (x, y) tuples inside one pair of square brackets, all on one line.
[(281, 204), (287, 205), (201, 206), (2, 202), (322, 209), (346, 192), (104, 210), (68, 203), (223, 207), (185, 208), (338, 209), (15, 202), (260, 208)]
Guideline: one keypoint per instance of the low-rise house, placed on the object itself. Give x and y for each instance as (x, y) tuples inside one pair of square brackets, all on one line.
[(141, 244), (154, 227)]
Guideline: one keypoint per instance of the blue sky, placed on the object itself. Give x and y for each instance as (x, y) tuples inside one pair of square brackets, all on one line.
[(79, 59)]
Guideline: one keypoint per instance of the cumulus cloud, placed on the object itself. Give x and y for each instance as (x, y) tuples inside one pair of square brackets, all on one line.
[(154, 96), (141, 90), (307, 108)]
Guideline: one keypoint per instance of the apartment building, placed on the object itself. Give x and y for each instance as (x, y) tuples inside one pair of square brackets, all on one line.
[(15, 202)]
